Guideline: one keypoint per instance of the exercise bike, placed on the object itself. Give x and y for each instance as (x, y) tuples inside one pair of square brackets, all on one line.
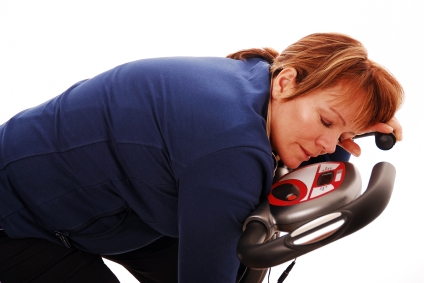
[(314, 206)]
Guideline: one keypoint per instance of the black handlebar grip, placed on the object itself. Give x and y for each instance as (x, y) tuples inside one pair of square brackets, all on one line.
[(385, 141)]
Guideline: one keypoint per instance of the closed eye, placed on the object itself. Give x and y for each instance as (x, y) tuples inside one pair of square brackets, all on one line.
[(326, 123)]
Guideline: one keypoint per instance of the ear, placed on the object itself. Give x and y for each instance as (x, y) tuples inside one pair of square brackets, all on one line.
[(283, 83)]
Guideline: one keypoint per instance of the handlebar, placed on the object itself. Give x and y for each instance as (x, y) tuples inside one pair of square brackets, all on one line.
[(383, 141), (256, 252)]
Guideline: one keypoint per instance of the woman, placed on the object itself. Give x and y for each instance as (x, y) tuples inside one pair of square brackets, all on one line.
[(156, 163)]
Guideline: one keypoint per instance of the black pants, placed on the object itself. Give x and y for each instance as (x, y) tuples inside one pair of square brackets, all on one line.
[(40, 261)]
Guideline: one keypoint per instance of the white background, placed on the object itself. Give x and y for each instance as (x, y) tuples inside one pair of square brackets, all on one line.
[(46, 46)]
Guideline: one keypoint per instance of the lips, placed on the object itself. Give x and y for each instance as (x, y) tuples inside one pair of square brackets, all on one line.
[(307, 153)]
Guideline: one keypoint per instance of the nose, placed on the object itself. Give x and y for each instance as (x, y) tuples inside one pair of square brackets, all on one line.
[(327, 143)]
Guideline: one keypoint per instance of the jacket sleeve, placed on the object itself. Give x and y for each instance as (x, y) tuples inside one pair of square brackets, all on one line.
[(216, 194)]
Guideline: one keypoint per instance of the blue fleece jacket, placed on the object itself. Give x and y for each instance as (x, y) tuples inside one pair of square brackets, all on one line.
[(165, 146)]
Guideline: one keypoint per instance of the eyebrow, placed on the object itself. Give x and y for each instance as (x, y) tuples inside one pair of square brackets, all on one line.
[(343, 120), (338, 114)]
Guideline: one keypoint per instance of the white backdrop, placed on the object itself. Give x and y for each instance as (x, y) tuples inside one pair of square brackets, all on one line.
[(46, 46)]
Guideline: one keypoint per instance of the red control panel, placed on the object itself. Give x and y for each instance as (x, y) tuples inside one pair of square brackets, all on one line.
[(307, 183)]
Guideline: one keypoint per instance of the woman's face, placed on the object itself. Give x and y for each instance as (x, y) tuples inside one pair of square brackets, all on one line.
[(309, 125)]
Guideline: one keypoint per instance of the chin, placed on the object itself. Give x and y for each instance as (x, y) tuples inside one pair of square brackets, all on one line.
[(292, 164), (289, 159)]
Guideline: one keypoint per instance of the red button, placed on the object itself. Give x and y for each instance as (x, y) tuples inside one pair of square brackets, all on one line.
[(291, 197)]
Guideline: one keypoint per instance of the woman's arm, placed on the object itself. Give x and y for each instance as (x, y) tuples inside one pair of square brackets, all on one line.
[(215, 196)]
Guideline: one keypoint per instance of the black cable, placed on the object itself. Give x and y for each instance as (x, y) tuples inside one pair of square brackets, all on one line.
[(286, 272)]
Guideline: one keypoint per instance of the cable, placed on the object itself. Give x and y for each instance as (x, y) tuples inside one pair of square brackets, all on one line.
[(286, 272)]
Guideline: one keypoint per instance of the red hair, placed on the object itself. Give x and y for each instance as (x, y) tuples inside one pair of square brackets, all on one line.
[(323, 60)]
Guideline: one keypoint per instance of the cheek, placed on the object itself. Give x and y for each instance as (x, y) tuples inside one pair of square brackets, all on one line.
[(306, 116), (305, 124), (297, 122)]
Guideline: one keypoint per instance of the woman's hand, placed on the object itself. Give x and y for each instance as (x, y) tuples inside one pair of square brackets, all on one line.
[(392, 126)]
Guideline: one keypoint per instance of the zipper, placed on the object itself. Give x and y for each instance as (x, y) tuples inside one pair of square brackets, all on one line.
[(63, 235)]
